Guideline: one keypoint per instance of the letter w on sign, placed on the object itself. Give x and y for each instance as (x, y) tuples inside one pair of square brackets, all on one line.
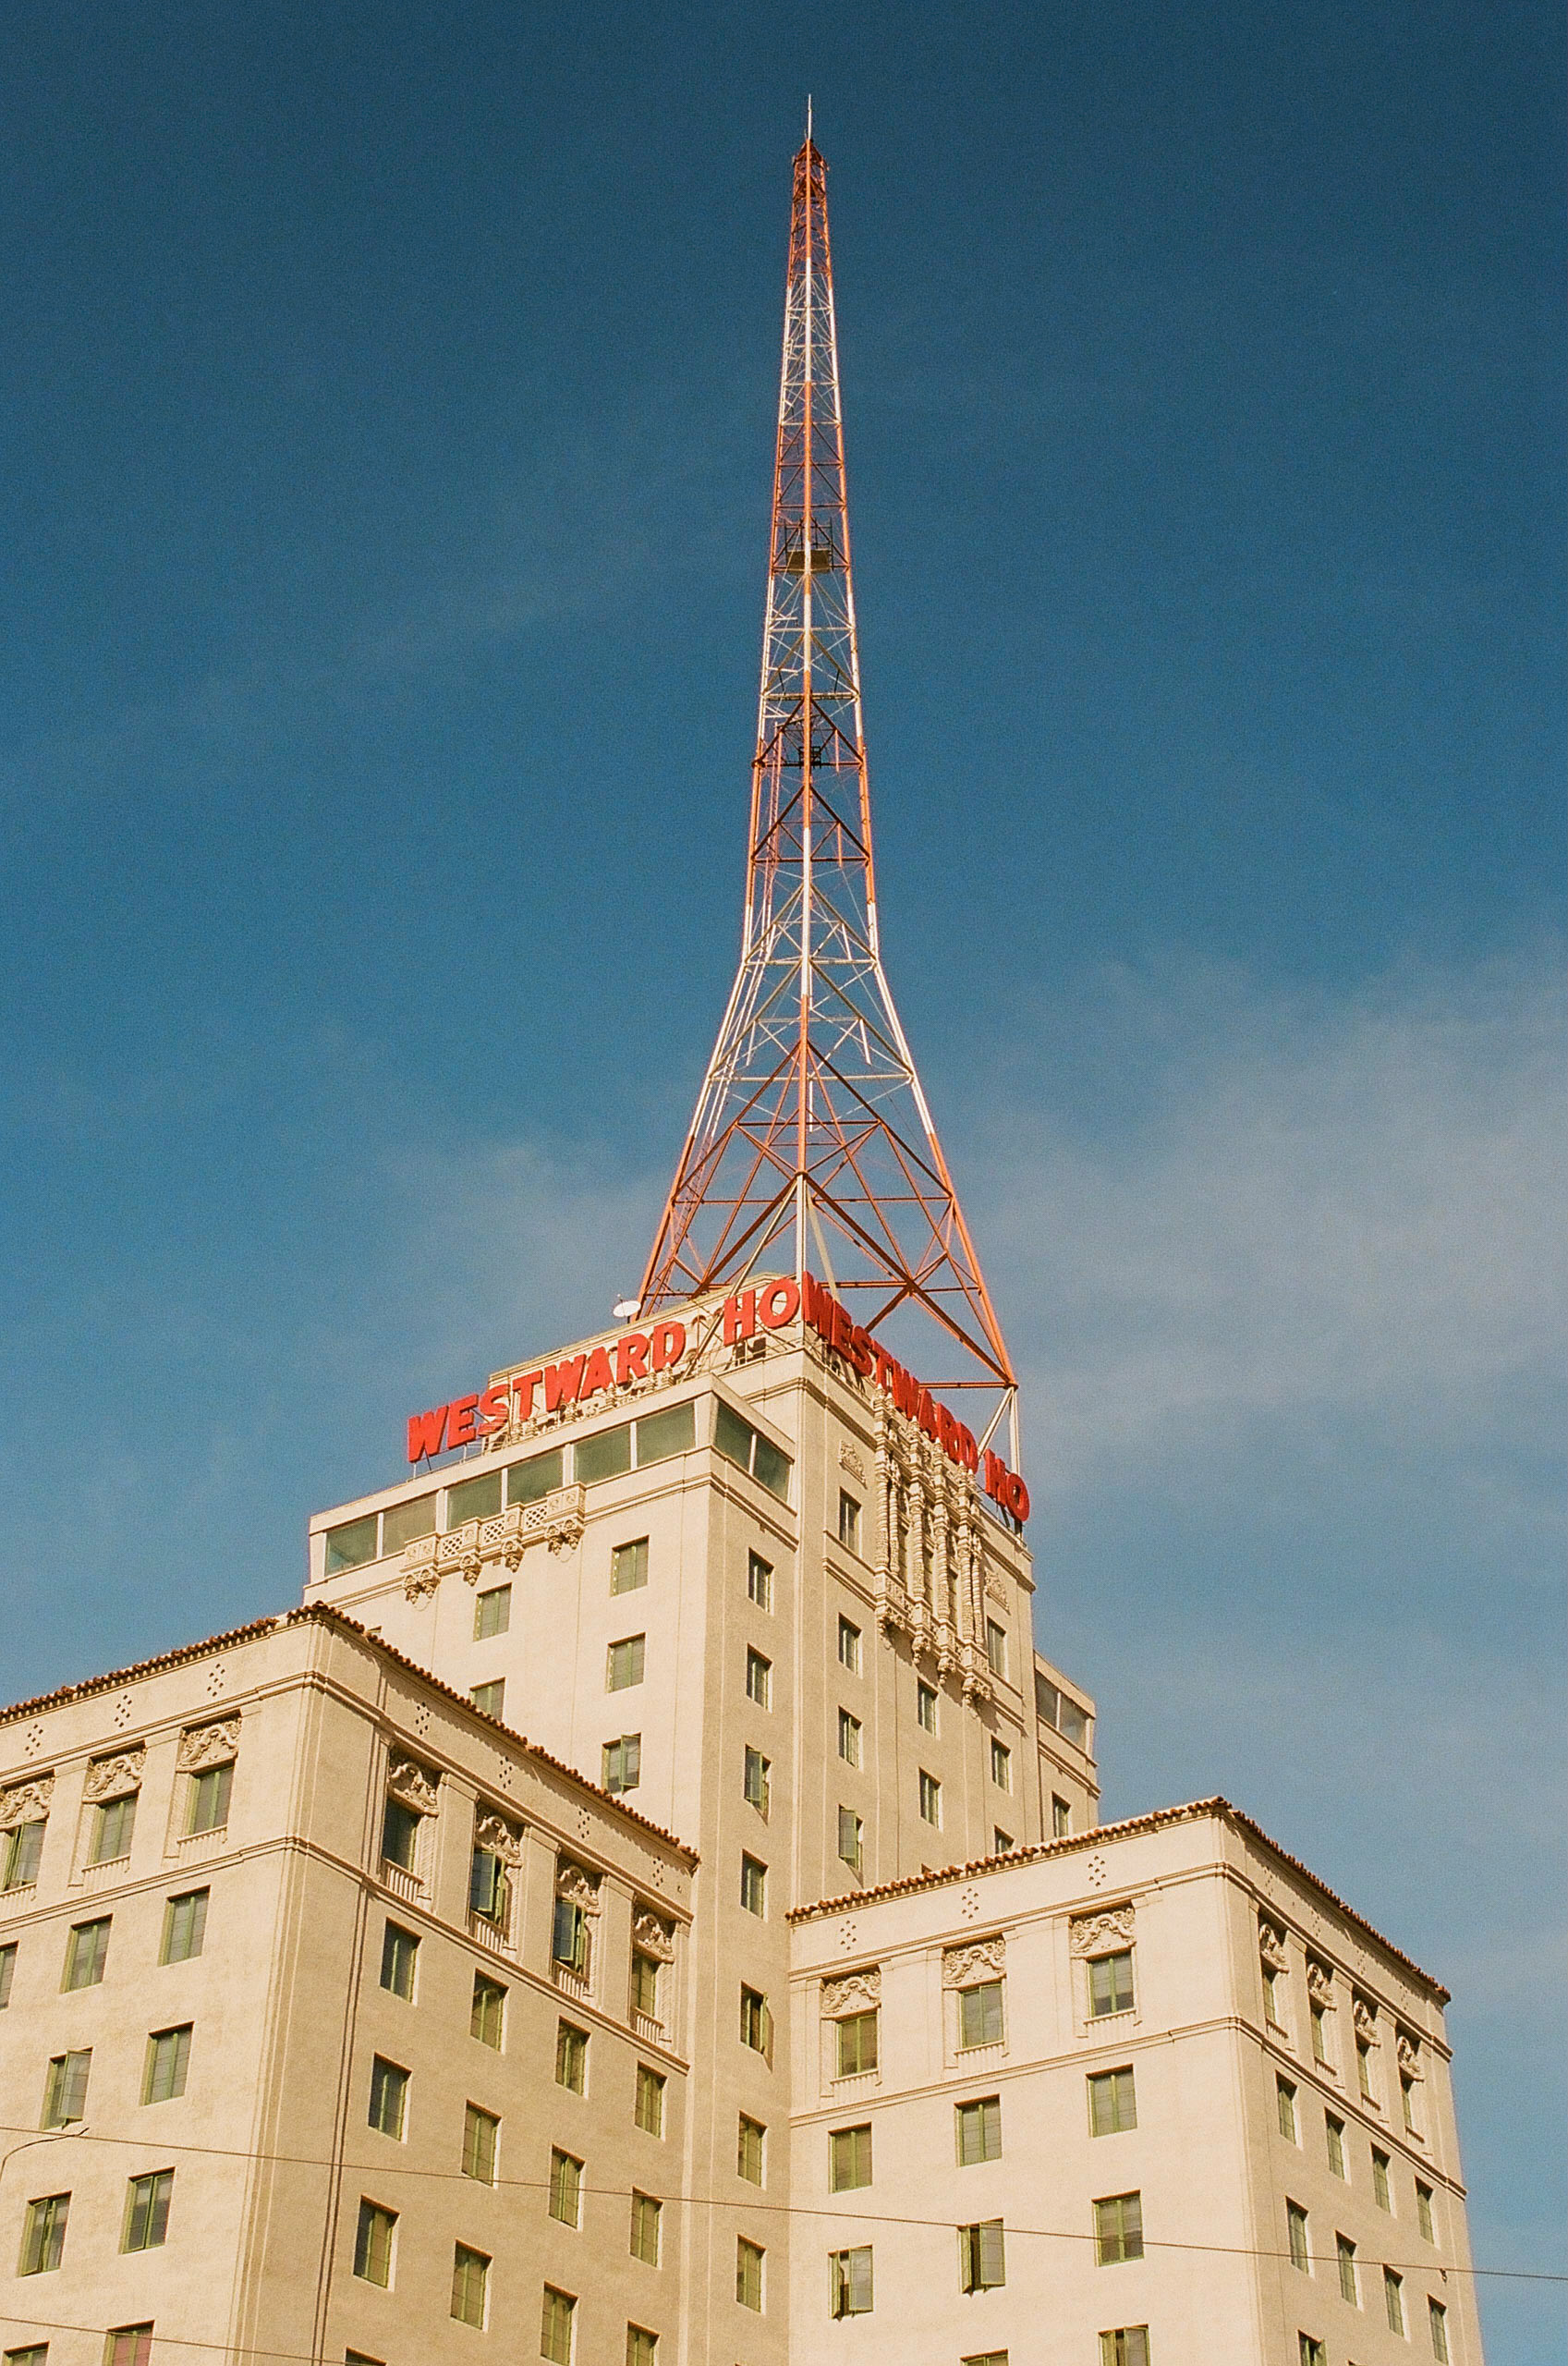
[(426, 1432), (562, 1383)]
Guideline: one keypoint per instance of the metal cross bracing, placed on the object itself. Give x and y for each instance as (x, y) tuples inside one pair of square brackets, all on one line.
[(812, 1145)]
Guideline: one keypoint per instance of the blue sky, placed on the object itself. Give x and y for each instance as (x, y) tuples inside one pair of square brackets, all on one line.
[(386, 452)]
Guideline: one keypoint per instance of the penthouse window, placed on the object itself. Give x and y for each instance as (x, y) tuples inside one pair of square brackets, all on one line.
[(473, 1499), (86, 1951), (628, 1567), (982, 2257), (606, 1455), (739, 1442), (1060, 1710)]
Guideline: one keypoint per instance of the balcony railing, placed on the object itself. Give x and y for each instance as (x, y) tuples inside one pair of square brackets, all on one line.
[(401, 1882)]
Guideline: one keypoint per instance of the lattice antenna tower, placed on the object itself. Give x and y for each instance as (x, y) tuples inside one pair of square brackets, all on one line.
[(812, 1146)]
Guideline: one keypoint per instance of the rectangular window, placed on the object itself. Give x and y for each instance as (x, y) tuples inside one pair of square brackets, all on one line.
[(848, 1737), (389, 2097), (625, 1660), (748, 2259), (849, 2158), (1112, 2103), (481, 2133), (644, 2228), (1001, 1841), (849, 1640), (1407, 2103), (35, 2354), (470, 2284), (400, 1835), (1363, 2071), (1334, 2138), (851, 1839), (44, 2234), (1126, 2345), (399, 1952), (749, 2149), (473, 1499), (1437, 2320), (1295, 2228), (1284, 2104), (1273, 1996), (758, 1679), (184, 1926), (147, 2210), (856, 2043), (996, 1647), (1393, 2300), (621, 1765), (568, 1937), (645, 1984), (207, 1801), (981, 2261), (931, 1797), (401, 1523), (979, 2014), (488, 1891), (850, 2281), (571, 2057), (1060, 1818), (493, 1613), (628, 1567), (65, 2089), (756, 2023), (760, 1582), (374, 2240), (978, 2128), (1321, 2035), (23, 1849), (87, 1951), (1001, 1765), (168, 2058), (1311, 2352), (757, 1771), (924, 1707), (556, 2330), (489, 1698), (1345, 2251), (1381, 2193), (605, 1455), (642, 2346), (530, 1482), (351, 1544), (7, 1972), (648, 2108), (848, 1521), (565, 2188), (1110, 1983), (487, 2015), (753, 1885), (739, 1442), (1118, 2228), (659, 1436), (1424, 2211), (114, 1824)]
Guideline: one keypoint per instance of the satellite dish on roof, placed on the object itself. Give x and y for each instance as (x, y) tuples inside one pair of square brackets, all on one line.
[(627, 1308)]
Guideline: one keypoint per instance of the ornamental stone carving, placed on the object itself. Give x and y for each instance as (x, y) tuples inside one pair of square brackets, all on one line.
[(855, 1992), (210, 1745), (849, 1459), (651, 1935), (996, 1588), (1408, 2049), (1363, 2012), (411, 1785), (984, 1959), (1102, 1934), (1320, 1980), (25, 1802), (575, 1883), (1271, 1946), (497, 1833), (111, 1779)]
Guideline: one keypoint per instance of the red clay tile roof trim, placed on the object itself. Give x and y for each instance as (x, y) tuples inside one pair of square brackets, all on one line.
[(1074, 1842), (324, 1613)]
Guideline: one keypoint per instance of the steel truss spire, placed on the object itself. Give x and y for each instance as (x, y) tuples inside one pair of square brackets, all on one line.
[(812, 1146)]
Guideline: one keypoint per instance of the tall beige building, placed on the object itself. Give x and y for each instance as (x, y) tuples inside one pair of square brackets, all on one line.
[(778, 1997)]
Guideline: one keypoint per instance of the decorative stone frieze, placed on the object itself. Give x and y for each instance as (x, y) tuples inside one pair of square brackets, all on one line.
[(1271, 1946), (556, 1520), (411, 1785), (850, 1459), (1103, 1933), (854, 1992), (25, 1802), (499, 1835), (210, 1745), (982, 1960), (651, 1935), (575, 1883), (111, 1779)]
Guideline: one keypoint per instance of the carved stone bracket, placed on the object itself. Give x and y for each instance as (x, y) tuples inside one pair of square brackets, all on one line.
[(411, 1785), (857, 1991), (25, 1802), (111, 1779), (983, 1959), (208, 1745), (576, 1882), (1319, 1981), (1271, 1946), (651, 1935), (499, 1835), (1103, 1933)]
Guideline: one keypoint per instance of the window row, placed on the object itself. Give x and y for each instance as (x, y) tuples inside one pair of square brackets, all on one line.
[(1351, 2275), (375, 2261), (201, 1806), (144, 2224), (86, 1944), (165, 2065), (1286, 2100), (571, 1949), (981, 2020), (1368, 2025), (982, 2256)]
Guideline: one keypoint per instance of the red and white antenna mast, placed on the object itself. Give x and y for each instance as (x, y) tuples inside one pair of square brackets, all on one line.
[(812, 1144)]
